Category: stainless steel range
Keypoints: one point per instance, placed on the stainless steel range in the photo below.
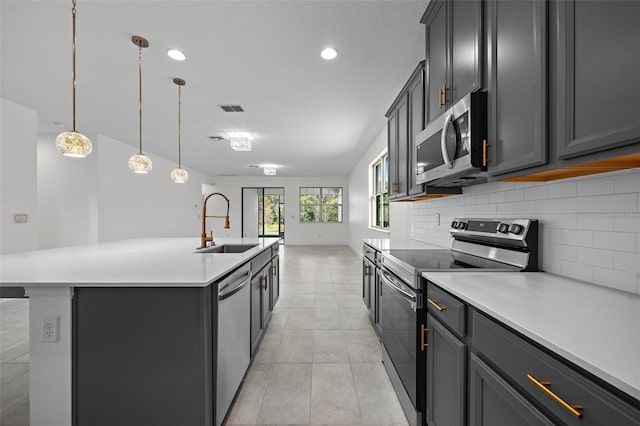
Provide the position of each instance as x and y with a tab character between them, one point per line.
486	244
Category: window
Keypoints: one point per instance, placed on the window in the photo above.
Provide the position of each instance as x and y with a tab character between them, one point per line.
320	205
380	193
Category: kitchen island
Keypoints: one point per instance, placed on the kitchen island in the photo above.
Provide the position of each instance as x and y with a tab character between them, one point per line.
135	329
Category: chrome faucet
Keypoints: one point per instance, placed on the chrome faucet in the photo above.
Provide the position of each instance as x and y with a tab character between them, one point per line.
203	236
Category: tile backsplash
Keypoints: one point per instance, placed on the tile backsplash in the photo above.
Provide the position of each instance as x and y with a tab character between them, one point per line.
589	226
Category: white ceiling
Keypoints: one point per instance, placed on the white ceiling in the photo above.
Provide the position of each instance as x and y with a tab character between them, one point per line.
310	116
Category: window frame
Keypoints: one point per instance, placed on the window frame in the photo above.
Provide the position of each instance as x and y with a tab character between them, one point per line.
321	204
379	193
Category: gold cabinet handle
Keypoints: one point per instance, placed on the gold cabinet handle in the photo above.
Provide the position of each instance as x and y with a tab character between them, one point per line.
438	307
423	330
394	187
265	281
443	96
543	386
485	147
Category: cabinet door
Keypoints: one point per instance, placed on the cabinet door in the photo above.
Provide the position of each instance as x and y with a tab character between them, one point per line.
446	362
466	36
275	281
265	296
366	283
256	311
415	93
436	58
597	81
403	145
493	402
517	69
392	150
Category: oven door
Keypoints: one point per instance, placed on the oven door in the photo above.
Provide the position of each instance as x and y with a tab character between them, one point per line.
400	310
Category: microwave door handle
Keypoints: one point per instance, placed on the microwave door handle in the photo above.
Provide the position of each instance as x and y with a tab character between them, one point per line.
443	141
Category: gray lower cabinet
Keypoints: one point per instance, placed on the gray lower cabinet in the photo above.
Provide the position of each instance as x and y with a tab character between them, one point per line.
596	75
275	281
260	313
144	356
370	283
493	402
446	373
516	44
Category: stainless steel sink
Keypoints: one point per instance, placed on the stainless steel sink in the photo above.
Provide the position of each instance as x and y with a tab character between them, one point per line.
227	248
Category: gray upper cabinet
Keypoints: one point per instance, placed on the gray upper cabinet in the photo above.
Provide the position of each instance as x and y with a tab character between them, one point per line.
517	84
404	121
596	76
453	52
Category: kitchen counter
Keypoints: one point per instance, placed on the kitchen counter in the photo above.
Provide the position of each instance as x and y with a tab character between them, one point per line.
153	262
595	328
399	244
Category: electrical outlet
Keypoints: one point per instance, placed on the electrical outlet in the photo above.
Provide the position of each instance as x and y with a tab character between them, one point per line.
50	327
20	218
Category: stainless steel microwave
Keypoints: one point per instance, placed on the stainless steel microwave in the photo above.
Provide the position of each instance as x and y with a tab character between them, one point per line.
452	149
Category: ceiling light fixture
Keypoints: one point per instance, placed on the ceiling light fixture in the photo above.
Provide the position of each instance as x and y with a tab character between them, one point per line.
240	135
329	53
240	144
179	175
176	55
72	143
140	163
269	171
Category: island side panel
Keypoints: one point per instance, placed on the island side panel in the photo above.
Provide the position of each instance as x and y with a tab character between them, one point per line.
143	356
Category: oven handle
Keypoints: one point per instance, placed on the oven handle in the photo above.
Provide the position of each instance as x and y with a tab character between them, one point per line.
443	141
388	280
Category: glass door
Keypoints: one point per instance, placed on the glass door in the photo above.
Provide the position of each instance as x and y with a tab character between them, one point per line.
263	212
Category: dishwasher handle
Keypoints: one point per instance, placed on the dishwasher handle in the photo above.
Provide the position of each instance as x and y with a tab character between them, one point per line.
231	289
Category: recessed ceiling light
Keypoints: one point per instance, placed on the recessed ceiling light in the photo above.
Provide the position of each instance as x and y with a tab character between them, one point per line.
176	55
329	53
246	135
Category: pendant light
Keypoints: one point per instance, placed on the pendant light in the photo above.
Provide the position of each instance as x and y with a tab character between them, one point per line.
140	163
72	143
179	175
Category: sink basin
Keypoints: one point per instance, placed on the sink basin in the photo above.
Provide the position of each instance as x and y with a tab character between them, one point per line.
227	248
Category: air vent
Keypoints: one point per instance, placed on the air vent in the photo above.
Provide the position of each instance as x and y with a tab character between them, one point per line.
231	108
216	138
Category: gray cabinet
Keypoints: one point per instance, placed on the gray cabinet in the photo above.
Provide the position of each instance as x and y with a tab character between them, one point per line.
597	64
493	402
404	121
446	376
453	53
370	282
260	312
516	44
275	282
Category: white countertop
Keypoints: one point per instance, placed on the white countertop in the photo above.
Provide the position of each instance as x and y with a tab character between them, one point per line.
595	328
400	244
149	262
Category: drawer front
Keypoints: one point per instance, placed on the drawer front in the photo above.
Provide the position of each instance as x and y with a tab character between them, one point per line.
275	249
554	385
446	308
258	262
369	253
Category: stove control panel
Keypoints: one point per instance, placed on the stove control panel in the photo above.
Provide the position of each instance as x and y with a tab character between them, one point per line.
514	232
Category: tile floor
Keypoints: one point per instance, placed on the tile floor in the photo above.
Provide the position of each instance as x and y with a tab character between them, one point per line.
320	360
14	362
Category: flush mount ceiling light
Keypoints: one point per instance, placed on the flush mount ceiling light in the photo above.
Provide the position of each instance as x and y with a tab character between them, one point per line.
240	144
72	143
176	55
140	163
329	53
269	169
246	135
179	175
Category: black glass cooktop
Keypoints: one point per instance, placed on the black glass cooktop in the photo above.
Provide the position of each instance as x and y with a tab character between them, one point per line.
427	260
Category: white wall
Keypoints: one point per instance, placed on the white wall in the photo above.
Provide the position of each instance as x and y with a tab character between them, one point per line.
589	226
295	232
359	209
18	177
152	205
67	196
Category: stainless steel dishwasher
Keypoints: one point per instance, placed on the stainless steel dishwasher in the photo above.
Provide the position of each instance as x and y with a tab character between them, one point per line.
234	337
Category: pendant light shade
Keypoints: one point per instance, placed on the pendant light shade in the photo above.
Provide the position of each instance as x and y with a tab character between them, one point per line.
140	163
179	175
73	143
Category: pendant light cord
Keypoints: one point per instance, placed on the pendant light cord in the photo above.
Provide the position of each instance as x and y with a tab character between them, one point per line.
179	124
140	92
73	50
